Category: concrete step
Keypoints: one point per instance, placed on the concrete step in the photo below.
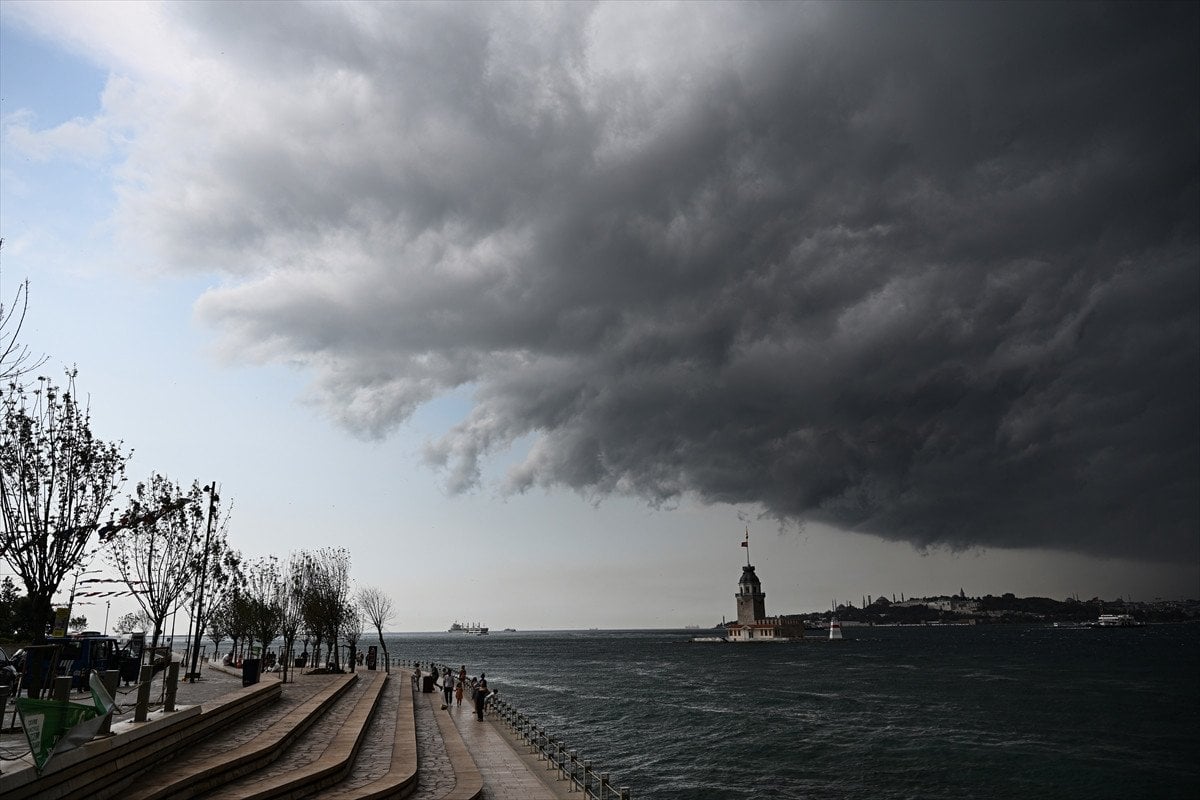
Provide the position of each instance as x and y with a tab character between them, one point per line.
230	755
324	755
449	774
386	766
106	767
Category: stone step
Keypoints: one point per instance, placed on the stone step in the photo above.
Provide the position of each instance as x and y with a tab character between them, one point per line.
320	737
386	766
107	766
323	756
230	755
423	735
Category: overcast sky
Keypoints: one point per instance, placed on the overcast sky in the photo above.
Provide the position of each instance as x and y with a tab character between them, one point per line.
536	308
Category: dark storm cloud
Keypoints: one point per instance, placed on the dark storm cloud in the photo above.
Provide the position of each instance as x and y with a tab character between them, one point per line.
928	272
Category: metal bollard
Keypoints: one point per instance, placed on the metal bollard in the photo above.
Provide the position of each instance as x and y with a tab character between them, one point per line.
62	689
141	711
111	679
172	683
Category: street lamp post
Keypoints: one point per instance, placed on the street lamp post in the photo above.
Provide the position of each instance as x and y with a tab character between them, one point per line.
212	501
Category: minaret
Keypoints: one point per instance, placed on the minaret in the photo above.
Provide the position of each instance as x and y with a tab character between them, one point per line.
751	602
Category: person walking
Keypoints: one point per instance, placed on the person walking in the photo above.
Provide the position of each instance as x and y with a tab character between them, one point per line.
447	686
481	694
458	687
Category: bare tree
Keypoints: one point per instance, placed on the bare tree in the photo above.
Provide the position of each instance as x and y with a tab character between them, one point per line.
56	480
156	558
377	608
16	359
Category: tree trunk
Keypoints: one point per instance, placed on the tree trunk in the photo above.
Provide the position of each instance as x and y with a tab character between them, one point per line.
41	614
387	662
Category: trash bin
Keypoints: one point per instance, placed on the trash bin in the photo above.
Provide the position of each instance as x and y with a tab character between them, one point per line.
426	683
250	671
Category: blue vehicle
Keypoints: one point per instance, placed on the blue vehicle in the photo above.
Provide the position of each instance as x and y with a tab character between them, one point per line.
80	654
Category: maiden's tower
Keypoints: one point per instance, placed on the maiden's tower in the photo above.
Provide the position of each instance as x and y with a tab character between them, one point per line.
753	624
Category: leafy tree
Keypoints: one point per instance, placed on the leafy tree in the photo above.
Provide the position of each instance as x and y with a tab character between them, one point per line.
327	595
238	618
263	590
216	629
224	573
56	480
156	558
77	624
14	609
215	568
292	598
352	630
377	609
133	621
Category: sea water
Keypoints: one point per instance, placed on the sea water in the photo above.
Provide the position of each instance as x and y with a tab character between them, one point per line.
986	711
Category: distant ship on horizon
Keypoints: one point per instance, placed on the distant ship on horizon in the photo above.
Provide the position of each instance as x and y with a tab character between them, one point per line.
474	628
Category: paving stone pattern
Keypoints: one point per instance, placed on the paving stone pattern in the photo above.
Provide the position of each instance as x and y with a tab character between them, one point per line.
436	775
244	731
507	773
309	747
375	755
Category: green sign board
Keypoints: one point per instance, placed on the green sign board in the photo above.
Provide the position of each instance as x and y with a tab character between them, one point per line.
53	726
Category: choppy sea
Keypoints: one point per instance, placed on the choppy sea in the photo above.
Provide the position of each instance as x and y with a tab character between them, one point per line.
936	713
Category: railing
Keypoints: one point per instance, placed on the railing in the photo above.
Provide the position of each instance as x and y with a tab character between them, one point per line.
579	774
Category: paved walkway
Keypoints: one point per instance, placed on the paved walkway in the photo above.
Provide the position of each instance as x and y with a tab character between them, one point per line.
508	772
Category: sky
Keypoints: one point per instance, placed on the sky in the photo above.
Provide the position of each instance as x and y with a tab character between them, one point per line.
538	309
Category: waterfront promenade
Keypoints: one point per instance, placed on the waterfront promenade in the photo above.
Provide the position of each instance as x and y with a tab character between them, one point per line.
371	737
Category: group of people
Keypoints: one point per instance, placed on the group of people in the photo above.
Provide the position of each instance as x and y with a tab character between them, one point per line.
454	687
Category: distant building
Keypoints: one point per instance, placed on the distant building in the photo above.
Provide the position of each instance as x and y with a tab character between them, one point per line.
753	624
